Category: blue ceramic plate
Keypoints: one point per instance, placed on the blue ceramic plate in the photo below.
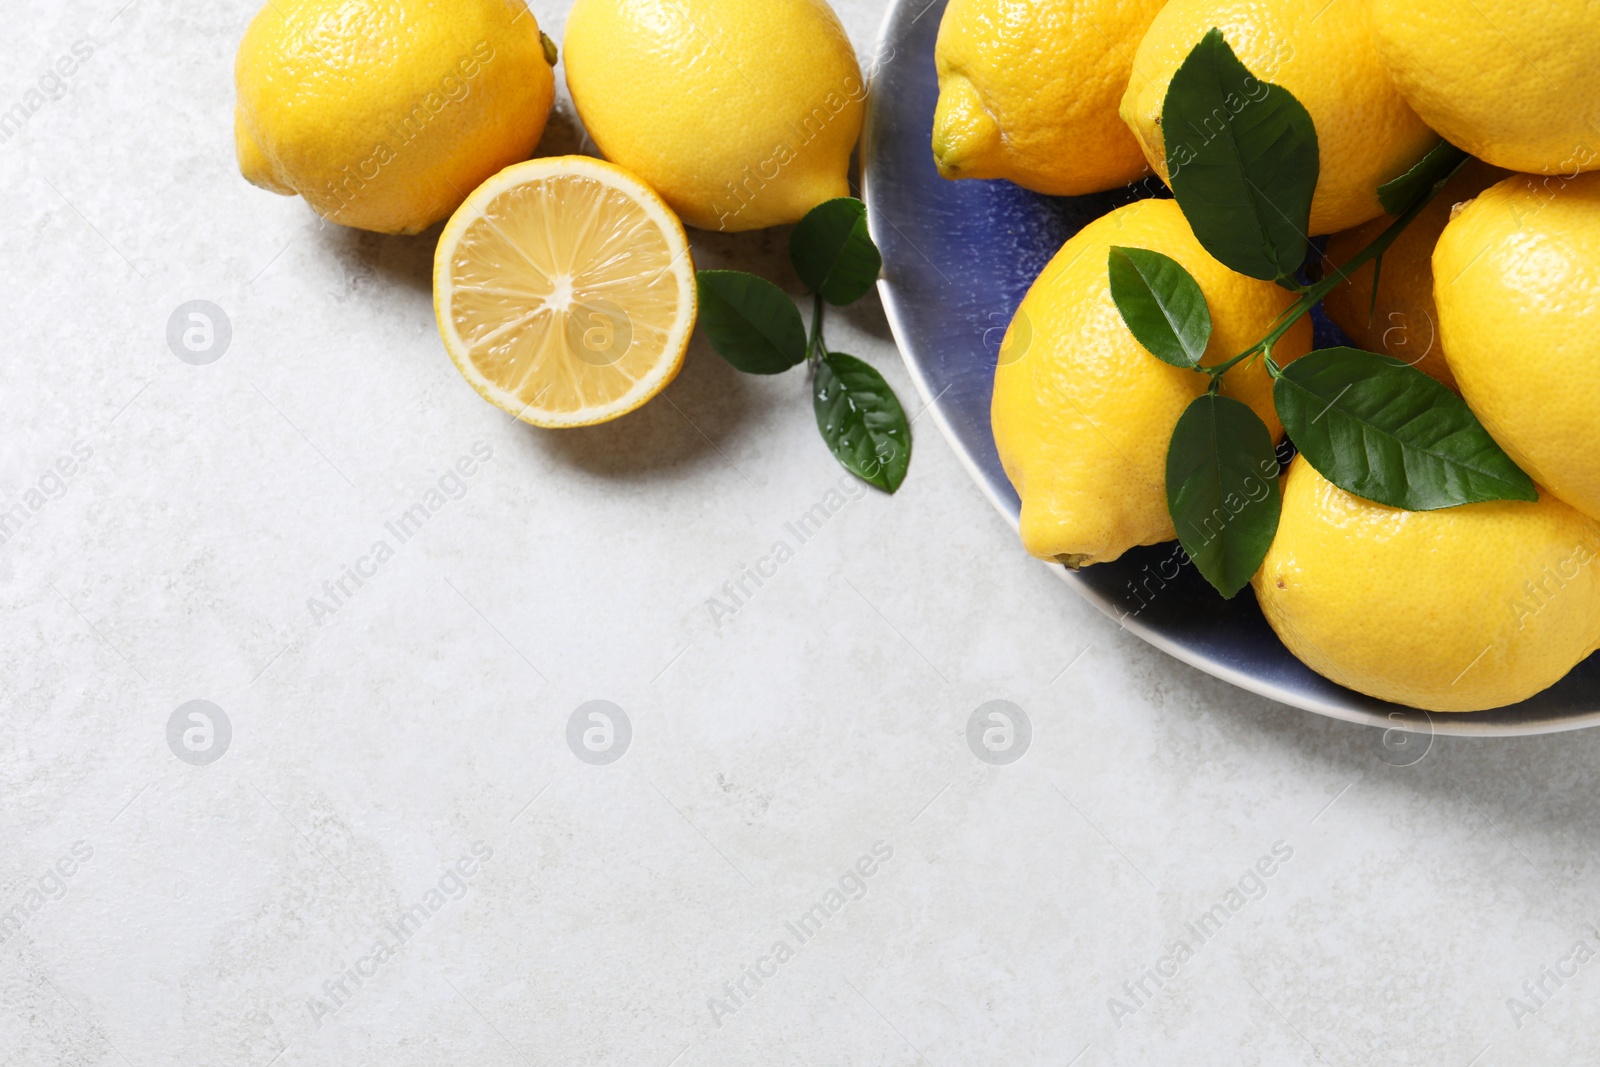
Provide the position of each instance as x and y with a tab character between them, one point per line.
958	257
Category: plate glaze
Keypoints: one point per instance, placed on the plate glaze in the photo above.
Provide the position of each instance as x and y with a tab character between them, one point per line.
958	258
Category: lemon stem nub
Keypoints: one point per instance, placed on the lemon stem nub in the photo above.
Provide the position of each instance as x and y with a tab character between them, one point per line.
966	139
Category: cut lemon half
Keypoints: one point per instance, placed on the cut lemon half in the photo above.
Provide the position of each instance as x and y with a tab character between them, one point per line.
564	291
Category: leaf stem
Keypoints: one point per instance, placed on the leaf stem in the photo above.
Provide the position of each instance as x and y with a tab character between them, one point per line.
1314	293
815	348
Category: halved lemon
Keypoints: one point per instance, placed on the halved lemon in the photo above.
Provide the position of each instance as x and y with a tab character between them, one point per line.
564	291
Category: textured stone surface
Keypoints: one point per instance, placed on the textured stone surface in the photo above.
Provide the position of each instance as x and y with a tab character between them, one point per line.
372	753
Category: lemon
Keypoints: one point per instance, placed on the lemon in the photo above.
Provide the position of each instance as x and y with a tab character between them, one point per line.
564	291
1403	322
741	113
1321	51
385	114
1082	414
253	163
1462	609
1510	81
1517	280
1028	91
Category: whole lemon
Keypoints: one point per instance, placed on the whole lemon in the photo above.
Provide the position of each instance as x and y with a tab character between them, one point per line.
1028	90
741	113
1082	413
1517	280
385	114
1321	52
1403	321
1462	609
1510	81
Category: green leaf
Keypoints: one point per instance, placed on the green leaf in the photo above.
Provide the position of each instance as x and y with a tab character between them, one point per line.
1242	160
1162	305
1435	168
1222	490
1383	430
833	253
750	322
862	420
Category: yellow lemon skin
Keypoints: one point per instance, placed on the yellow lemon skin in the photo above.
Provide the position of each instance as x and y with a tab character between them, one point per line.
1028	91
1082	413
253	163
1512	82
1462	609
741	113
385	114
1321	52
1403	322
1517	281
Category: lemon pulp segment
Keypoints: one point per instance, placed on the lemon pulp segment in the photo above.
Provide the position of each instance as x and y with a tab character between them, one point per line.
565	291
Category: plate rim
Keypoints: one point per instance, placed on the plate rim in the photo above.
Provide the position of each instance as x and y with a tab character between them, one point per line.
1412	720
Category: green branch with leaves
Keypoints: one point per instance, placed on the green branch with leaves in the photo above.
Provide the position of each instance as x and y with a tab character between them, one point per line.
753	324
1373	426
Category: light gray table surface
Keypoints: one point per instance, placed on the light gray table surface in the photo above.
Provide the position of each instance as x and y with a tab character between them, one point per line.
399	773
